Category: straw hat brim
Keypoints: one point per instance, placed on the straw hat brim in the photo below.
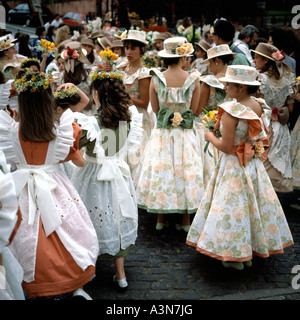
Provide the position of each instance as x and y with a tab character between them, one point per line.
11	45
218	55
249	83
135	39
262	54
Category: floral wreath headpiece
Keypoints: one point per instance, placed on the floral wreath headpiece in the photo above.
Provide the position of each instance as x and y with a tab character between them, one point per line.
24	62
65	92
32	81
106	75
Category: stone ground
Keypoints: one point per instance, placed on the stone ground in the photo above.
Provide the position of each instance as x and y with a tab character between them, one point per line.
162	267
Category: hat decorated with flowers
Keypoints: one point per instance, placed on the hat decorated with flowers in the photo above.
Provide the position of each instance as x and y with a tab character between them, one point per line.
6	42
217	51
73	54
268	51
27	80
176	47
27	62
135	35
241	74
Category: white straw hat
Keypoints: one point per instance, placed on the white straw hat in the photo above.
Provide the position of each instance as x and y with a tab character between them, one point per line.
217	51
7	42
135	35
176	47
241	74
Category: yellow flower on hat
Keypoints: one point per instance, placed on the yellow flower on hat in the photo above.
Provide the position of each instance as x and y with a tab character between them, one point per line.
181	50
124	35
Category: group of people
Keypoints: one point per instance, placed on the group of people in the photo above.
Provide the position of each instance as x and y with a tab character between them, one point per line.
94	135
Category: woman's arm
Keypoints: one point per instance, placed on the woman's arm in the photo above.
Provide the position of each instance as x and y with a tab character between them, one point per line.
143	100
84	99
225	144
204	95
195	98
153	97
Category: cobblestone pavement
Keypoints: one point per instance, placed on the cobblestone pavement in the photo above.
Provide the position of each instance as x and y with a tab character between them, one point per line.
162	267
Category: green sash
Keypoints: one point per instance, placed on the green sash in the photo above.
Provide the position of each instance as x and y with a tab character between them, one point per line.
165	115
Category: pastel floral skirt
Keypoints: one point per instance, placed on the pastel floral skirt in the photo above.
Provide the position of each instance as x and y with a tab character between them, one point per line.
240	214
171	175
295	154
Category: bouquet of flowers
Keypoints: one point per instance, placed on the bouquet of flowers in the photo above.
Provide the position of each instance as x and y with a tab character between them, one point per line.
45	46
109	56
95	25
209	121
149	61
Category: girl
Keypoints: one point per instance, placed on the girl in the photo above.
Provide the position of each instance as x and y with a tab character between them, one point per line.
137	82
104	183
74	70
171	176
56	243
278	89
89	47
201	49
69	96
240	214
211	95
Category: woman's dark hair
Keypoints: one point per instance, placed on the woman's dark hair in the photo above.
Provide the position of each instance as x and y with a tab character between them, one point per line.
250	89
134	44
67	102
50	33
226	59
170	61
36	113
91	56
30	63
114	101
271	69
2	77
23	45
79	75
39	31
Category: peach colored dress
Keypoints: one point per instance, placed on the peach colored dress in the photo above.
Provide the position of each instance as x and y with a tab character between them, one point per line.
56	248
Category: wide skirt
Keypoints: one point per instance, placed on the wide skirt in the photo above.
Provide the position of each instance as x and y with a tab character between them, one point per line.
240	214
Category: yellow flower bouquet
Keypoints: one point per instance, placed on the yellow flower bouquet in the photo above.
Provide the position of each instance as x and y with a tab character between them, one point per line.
108	56
46	46
209	121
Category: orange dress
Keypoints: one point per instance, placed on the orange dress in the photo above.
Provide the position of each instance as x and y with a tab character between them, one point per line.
63	260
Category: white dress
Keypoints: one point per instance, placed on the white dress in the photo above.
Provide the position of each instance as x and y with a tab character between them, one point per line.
106	187
45	192
11	273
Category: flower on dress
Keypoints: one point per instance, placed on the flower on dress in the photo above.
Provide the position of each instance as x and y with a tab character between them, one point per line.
275	114
176	120
259	149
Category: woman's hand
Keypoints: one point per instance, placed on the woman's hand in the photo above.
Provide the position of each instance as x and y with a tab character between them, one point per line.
209	135
66	85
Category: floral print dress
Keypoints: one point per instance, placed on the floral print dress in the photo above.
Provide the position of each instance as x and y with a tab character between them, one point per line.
132	87
171	175
295	154
240	214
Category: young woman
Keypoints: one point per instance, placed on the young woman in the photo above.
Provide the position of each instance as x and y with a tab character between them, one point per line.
137	82
278	88
105	183
171	175
240	215
56	243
